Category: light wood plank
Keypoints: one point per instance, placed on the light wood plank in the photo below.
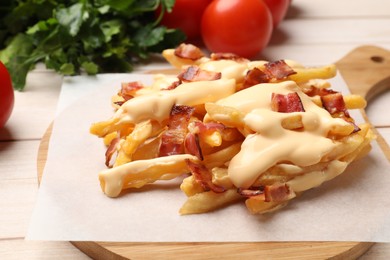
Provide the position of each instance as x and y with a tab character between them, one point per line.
385	133
34	107
379	251
313	55
377	106
18	159
302	9
37	250
332	31
16	205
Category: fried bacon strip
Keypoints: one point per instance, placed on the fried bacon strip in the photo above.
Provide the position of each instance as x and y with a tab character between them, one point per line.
278	192
192	145
273	70
172	140
335	105
111	149
227	56
203	176
313	91
286	103
188	51
174	85
128	89
278	69
198	129
255	76
194	73
206	128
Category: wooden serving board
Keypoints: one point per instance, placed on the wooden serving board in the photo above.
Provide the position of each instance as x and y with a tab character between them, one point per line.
367	72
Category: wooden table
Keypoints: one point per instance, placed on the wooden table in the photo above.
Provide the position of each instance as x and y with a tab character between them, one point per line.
314	33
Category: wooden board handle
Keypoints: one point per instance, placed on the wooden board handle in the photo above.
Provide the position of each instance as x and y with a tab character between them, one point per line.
366	70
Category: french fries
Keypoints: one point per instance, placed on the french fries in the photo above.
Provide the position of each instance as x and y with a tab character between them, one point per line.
262	137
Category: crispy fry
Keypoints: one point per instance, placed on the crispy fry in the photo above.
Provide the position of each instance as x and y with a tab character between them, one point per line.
355	102
136	175
228	116
109	137
190	187
220	157
257	206
208	201
305	74
103	128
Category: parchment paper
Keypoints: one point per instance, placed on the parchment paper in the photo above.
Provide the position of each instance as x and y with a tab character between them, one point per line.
71	206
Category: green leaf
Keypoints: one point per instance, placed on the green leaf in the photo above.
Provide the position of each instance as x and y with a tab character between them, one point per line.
119	5
67	69
145	5
148	36
111	28
104	9
20	45
42	26
56	59
18	68
71	18
168	5
90	67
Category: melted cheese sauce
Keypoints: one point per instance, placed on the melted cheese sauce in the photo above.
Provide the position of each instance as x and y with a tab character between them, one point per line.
157	105
271	143
229	69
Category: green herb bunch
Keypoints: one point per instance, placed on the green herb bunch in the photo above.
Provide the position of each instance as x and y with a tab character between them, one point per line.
95	36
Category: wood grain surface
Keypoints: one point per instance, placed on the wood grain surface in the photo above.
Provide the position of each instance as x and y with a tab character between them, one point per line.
367	72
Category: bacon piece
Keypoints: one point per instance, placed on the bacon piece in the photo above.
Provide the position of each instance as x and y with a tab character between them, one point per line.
286	103
335	105
227	56
313	91
192	145
203	176
206	128
278	192
273	70
173	85
278	69
194	73
128	89
251	192
172	140
198	129
119	103
255	76
111	149
188	51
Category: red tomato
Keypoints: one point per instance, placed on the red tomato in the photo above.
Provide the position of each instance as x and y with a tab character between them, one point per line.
6	95
186	16
237	26
278	10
